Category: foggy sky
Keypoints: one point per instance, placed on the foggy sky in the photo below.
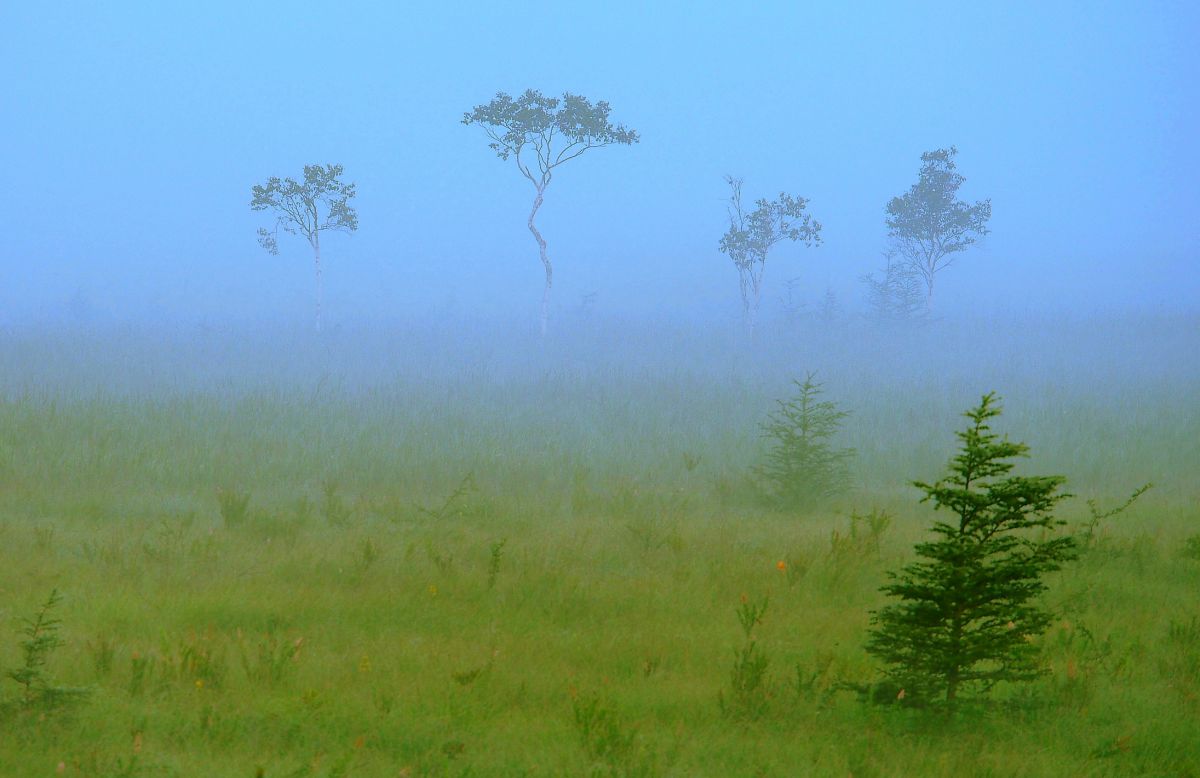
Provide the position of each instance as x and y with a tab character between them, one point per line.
133	133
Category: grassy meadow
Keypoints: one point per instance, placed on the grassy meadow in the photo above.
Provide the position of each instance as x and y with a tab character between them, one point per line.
434	550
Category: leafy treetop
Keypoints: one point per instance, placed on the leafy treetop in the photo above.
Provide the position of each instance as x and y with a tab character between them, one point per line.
321	202
556	130
928	222
752	235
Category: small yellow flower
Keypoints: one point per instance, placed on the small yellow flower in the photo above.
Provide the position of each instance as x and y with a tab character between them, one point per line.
199	683
364	664
781	566
433	590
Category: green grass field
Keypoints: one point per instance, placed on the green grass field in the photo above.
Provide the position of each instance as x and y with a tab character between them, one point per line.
464	557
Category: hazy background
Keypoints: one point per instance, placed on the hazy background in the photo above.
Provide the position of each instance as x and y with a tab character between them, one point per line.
133	132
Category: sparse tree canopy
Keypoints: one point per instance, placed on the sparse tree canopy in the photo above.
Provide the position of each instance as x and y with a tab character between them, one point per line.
751	236
540	134
929	225
318	204
321	202
968	614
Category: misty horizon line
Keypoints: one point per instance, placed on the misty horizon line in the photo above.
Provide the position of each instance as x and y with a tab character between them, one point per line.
449	315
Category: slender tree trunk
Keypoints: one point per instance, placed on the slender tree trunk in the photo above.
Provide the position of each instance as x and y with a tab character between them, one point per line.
316	244
752	319
744	287
929	272
756	277
537	203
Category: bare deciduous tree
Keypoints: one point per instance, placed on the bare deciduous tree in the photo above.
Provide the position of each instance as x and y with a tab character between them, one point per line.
552	132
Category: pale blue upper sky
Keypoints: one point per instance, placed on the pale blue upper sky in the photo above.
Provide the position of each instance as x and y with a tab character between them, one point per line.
133	131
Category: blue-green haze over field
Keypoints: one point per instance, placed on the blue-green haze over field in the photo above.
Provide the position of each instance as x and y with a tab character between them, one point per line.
425	513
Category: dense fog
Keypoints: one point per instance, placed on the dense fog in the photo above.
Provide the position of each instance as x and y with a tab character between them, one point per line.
398	389
135	132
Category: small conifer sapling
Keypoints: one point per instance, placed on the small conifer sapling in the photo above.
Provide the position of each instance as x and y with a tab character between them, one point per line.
41	638
802	466
968	611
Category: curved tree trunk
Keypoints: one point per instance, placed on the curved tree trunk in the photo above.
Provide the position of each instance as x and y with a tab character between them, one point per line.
537	203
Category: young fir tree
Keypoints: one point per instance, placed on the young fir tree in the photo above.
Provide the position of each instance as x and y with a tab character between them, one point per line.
896	296
803	467
968	611
41	640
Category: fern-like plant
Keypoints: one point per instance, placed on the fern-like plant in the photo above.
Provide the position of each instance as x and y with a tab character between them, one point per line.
41	639
749	681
